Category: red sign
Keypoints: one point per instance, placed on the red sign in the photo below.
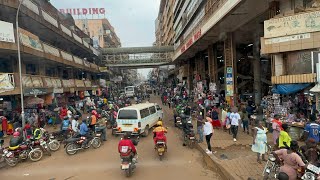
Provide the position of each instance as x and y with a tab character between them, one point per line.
83	11
193	39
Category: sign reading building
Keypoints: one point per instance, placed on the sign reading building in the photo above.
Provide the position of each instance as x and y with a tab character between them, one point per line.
296	24
83	11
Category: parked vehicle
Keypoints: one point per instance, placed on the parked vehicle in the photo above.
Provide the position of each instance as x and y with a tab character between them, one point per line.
73	145
13	155
311	172
272	167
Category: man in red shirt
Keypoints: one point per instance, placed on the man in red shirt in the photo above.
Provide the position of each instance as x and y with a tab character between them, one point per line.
126	146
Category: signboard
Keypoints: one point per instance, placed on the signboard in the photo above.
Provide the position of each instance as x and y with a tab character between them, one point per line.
58	90
30	40
83	11
296	24
287	38
229	82
6	32
193	39
34	92
6	84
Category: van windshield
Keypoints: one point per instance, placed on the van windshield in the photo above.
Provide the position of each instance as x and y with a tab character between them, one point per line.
129	89
128	114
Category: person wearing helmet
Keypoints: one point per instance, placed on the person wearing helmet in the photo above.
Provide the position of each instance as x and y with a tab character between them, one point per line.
126	145
159	132
65	125
16	140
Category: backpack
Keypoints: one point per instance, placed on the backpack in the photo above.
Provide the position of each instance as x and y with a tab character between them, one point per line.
65	125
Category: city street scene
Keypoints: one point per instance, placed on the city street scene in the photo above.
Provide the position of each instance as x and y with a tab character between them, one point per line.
159	89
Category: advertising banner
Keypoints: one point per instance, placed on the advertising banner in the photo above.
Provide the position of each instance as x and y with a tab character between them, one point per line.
296	24
6	83
34	91
30	40
6	32
229	82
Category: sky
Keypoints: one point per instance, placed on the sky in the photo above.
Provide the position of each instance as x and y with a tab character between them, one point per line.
133	20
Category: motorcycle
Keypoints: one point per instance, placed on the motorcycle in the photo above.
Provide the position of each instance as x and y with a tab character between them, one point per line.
53	143
161	148
178	122
73	145
272	167
128	162
311	172
13	155
42	144
190	135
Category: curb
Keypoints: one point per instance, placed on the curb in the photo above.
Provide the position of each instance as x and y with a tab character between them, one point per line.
214	164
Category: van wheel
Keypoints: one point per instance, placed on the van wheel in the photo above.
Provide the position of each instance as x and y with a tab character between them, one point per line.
146	131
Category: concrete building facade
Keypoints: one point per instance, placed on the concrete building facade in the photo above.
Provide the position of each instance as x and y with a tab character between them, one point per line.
57	57
101	31
164	23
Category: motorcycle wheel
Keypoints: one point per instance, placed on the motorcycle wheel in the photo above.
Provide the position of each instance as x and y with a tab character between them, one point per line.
54	145
35	155
11	161
71	149
161	157
48	151
128	172
191	144
96	143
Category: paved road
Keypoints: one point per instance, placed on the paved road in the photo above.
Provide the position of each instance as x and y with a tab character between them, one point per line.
180	162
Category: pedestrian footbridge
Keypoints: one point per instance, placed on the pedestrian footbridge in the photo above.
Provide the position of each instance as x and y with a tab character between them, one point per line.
137	57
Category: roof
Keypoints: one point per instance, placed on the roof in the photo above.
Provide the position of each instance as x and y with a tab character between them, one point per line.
139	106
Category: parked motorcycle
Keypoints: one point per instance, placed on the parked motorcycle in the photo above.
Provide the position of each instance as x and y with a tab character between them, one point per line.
13	155
73	145
311	172
53	143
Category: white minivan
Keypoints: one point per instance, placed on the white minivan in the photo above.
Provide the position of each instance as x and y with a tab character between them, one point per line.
129	91
138	119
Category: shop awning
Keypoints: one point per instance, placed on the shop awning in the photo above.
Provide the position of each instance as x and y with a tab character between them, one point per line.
286	89
316	88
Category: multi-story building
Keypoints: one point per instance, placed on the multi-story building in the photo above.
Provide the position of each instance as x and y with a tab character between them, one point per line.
219	41
164	23
101	31
292	39
56	56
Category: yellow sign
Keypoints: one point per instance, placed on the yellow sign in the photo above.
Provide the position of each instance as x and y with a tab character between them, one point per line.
296	24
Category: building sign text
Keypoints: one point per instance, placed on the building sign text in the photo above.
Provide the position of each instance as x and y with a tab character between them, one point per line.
83	11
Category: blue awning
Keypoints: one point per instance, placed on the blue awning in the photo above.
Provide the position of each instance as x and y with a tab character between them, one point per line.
286	89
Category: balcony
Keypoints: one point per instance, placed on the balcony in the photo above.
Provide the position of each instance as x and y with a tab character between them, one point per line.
11	83
39	17
31	44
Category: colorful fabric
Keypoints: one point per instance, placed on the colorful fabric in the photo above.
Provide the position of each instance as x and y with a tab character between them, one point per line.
260	141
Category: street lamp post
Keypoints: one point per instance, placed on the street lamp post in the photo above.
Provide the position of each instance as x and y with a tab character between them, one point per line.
19	61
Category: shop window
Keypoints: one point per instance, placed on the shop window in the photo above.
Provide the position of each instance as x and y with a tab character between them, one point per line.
31	69
65	74
5	66
50	71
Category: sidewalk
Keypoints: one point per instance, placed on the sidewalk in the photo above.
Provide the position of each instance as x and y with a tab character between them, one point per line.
235	159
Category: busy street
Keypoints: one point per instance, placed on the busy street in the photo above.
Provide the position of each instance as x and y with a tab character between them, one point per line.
160	89
104	162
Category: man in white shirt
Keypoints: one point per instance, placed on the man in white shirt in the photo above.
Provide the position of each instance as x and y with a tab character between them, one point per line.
235	118
75	124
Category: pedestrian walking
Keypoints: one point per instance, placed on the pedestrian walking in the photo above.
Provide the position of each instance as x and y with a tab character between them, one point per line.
245	120
208	131
235	118
259	145
200	123
277	127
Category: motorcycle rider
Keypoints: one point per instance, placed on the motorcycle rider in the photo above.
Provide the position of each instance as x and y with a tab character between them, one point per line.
16	140
187	128
291	160
65	125
75	124
101	127
159	133
84	132
126	146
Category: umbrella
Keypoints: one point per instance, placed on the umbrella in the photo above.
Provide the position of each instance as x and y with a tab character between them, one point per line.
34	101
